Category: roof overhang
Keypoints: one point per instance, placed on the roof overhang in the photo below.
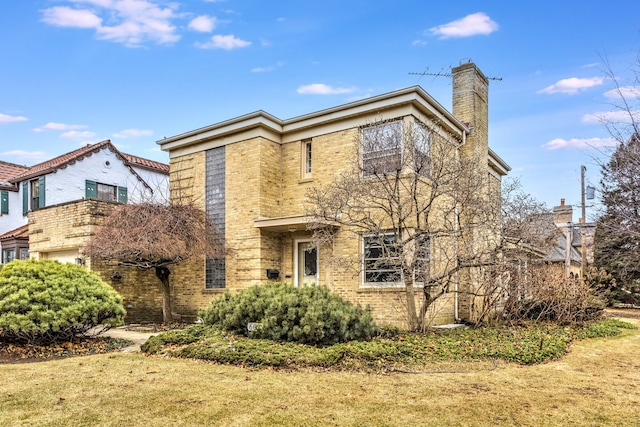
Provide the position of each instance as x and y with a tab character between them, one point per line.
284	224
412	100
498	165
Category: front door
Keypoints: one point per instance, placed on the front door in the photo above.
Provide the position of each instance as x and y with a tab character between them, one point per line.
306	263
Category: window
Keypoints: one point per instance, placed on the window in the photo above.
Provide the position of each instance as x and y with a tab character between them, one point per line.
4	202
380	261
35	194
8	255
421	149
106	192
306	157
382	148
24	253
215	276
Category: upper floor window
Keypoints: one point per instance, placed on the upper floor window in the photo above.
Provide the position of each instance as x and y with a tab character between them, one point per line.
4	202
33	193
106	192
36	188
382	148
307	158
421	137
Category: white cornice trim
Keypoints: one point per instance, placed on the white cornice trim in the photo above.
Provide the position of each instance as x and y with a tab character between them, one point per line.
280	130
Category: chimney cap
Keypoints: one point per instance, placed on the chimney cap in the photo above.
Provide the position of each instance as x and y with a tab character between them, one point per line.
561	202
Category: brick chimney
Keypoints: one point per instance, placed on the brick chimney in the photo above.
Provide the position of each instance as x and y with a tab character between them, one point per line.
562	214
471	106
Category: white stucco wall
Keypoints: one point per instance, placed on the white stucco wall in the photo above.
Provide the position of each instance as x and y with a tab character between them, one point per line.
158	182
68	184
14	219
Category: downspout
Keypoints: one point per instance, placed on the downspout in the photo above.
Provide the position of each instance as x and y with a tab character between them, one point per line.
456	281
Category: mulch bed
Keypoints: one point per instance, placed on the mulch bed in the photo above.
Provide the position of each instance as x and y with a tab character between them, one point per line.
25	353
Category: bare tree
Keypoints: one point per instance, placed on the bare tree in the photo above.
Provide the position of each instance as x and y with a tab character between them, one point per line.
424	212
153	236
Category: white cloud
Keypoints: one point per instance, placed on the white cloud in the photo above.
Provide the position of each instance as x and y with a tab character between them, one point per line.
132	133
229	42
267	69
418	42
63	16
203	24
620	116
130	22
22	153
5	118
573	85
58	127
74	134
579	143
322	89
470	25
627	92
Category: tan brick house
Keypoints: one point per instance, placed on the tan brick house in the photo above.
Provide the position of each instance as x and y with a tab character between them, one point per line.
251	175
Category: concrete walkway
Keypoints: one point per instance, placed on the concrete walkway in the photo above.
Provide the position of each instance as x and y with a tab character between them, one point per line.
137	337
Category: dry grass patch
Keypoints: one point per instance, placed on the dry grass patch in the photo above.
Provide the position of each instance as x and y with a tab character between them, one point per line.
597	384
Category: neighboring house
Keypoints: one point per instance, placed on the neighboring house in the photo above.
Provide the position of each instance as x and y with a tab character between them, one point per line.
10	216
568	251
251	174
50	197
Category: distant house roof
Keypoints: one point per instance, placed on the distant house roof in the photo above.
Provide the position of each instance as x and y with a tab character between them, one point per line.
8	171
73	156
20	232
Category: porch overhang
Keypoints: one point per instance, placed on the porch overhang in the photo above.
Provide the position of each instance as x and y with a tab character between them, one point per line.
284	224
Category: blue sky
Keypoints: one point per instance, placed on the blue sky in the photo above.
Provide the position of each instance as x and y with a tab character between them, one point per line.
74	72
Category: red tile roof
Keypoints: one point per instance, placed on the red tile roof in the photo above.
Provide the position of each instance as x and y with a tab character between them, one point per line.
60	161
146	163
20	232
79	154
9	171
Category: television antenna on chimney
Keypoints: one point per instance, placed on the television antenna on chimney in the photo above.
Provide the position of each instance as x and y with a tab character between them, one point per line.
441	74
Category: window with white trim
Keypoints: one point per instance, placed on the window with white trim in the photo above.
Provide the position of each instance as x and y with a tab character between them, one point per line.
306	157
382	148
381	263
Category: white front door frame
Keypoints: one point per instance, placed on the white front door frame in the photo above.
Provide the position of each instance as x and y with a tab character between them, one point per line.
297	244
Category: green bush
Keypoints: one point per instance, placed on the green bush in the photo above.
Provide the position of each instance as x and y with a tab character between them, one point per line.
282	312
46	301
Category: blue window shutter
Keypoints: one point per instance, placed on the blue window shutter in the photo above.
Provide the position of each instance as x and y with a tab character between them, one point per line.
41	201
25	198
4	202
91	189
122	194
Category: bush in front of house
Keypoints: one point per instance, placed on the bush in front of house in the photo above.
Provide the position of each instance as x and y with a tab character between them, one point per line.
47	301
282	312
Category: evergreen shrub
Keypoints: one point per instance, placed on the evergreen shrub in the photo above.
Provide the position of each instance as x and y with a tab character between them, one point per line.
282	312
47	301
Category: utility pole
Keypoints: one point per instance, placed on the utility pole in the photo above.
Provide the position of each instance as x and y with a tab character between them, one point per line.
583	223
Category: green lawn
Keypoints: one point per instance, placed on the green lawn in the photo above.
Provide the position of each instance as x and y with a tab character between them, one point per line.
596	384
